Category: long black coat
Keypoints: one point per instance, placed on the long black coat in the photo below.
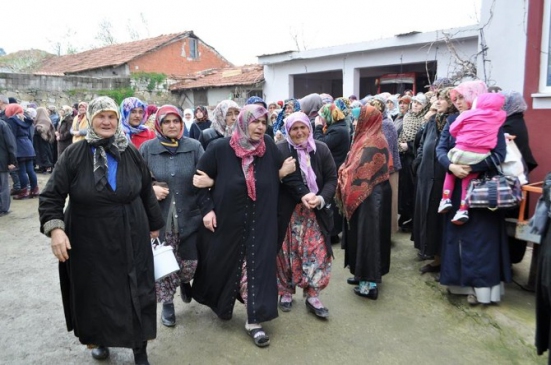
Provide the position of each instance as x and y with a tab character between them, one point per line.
428	223
291	193
474	254
515	125
65	136
108	284
247	230
337	138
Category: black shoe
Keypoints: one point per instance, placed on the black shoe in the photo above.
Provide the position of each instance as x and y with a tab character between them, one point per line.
140	355
168	317
335	239
285	306
372	294
100	353
423	257
429	268
319	312
185	292
353	281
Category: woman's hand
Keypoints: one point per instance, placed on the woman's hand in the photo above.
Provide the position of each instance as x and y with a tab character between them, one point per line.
319	121
278	136
154	234
289	166
160	192
311	200
404	146
60	244
209	221
202	180
460	171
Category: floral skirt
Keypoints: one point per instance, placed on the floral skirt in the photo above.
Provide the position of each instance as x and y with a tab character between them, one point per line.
303	260
166	287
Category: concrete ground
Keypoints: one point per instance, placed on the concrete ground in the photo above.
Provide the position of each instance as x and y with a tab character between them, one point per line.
414	321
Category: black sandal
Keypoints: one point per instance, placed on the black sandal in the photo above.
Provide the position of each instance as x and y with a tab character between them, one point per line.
259	336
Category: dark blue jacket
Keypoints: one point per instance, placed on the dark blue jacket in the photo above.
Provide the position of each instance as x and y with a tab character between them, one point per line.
7	147
23	132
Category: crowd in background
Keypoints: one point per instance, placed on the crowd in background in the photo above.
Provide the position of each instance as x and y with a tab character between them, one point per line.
311	172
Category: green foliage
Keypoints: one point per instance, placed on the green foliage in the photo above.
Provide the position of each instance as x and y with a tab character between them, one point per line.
152	79
117	94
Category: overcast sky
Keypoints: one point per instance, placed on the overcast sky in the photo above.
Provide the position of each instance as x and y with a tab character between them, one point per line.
239	30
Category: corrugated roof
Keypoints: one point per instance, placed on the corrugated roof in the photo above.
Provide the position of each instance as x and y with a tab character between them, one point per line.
231	76
110	56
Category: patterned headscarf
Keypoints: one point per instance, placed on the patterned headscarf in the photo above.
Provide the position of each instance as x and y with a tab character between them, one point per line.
413	121
203	110
244	147
469	90
256	100
514	102
170	144
344	105
311	104
395	109
326	98
278	125
219	122
126	107
151	109
441	118
331	113
304	149
380	103
114	145
367	163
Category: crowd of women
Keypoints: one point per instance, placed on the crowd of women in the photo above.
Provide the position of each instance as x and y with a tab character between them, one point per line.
252	201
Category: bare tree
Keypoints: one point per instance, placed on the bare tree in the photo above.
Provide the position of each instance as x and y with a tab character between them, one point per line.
64	44
105	34
297	39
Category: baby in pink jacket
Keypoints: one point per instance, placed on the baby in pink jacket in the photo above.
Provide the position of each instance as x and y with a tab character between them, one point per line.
475	133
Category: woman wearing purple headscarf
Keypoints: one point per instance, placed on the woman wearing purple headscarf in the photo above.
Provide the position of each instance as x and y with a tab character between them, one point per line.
132	121
305	217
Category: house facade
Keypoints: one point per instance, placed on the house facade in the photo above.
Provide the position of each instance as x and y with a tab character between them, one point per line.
411	60
175	55
210	87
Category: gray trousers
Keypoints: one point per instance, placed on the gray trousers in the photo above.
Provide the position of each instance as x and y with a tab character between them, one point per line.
5	200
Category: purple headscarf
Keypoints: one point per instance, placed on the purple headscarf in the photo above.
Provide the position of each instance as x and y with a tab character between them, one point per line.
304	149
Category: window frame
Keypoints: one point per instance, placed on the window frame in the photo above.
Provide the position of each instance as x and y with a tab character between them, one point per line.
545	59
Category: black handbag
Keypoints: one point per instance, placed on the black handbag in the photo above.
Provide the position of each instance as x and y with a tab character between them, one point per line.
494	192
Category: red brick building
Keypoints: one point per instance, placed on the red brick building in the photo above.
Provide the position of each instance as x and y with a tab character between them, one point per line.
175	55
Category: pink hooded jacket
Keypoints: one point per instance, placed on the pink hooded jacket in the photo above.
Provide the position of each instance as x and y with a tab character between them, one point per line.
476	130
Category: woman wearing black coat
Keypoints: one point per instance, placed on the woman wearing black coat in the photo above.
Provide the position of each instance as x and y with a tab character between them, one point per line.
428	225
514	125
331	128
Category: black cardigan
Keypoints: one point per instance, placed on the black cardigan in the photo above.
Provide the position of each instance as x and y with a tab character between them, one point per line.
293	189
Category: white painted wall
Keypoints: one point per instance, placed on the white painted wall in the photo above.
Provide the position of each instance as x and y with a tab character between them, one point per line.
505	36
279	69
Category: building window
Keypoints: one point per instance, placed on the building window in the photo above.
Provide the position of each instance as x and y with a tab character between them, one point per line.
193	48
545	65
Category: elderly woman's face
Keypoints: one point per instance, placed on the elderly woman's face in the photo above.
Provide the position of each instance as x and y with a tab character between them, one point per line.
272	107
461	104
231	116
171	126
299	133
416	107
81	109
257	128
289	108
136	116
105	124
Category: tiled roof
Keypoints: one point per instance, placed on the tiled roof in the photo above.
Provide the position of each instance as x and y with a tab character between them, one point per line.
232	76
110	56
